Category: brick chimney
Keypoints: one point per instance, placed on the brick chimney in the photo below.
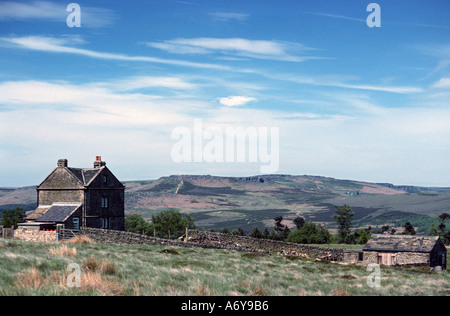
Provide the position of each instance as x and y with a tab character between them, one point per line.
98	163
62	163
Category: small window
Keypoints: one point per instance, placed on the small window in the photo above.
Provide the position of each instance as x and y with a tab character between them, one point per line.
76	223
105	179
105	202
360	256
104	223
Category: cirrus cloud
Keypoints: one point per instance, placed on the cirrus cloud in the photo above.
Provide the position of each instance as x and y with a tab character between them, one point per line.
258	49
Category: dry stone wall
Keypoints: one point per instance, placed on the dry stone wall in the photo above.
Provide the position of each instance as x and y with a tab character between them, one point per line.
34	234
218	241
249	244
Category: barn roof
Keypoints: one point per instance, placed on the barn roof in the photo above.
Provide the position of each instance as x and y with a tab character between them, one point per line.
59	212
401	243
37	213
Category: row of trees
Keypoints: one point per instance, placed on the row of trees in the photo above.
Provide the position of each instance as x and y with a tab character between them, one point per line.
12	217
441	229
311	233
166	224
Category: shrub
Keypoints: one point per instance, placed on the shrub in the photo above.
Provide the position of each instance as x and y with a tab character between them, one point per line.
310	233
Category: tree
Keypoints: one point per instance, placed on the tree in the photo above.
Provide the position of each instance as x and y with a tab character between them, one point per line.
310	233
280	231
225	230
362	236
171	224
238	232
409	229
266	233
278	226
443	217
255	233
137	224
299	222
440	230
343	218
10	218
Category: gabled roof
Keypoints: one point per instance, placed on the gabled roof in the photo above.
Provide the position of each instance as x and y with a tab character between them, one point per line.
401	243
59	212
85	175
67	177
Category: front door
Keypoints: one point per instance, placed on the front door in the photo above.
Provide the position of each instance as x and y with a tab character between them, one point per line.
387	259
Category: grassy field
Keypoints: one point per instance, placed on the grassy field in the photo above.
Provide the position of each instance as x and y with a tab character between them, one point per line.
40	269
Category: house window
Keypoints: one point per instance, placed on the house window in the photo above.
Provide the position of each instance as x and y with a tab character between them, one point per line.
360	256
105	202
105	179
76	223
104	223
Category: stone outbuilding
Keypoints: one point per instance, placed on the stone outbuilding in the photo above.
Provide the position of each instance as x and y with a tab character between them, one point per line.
394	250
80	197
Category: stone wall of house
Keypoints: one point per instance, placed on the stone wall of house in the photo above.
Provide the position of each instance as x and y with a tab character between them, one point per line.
351	257
34	234
370	257
218	241
401	258
48	197
413	258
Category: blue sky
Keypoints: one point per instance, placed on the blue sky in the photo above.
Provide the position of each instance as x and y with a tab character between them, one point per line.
350	101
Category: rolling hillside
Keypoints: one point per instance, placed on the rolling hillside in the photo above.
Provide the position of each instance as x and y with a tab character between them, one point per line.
217	202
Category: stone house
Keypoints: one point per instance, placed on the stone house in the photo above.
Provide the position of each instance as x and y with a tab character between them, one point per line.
80	197
394	250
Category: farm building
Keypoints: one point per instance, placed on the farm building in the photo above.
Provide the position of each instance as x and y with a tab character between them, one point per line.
75	197
404	250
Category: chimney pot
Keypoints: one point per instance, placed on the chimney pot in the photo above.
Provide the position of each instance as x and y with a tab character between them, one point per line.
62	163
98	163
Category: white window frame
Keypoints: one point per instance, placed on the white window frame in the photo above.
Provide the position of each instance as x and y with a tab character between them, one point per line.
105	202
76	223
104	222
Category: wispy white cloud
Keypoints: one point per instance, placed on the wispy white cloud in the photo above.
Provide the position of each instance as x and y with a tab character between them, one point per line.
229	16
54	11
143	82
60	45
349	18
337	16
236	100
342	81
259	49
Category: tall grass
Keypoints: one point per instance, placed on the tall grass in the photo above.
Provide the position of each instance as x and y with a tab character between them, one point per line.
40	269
